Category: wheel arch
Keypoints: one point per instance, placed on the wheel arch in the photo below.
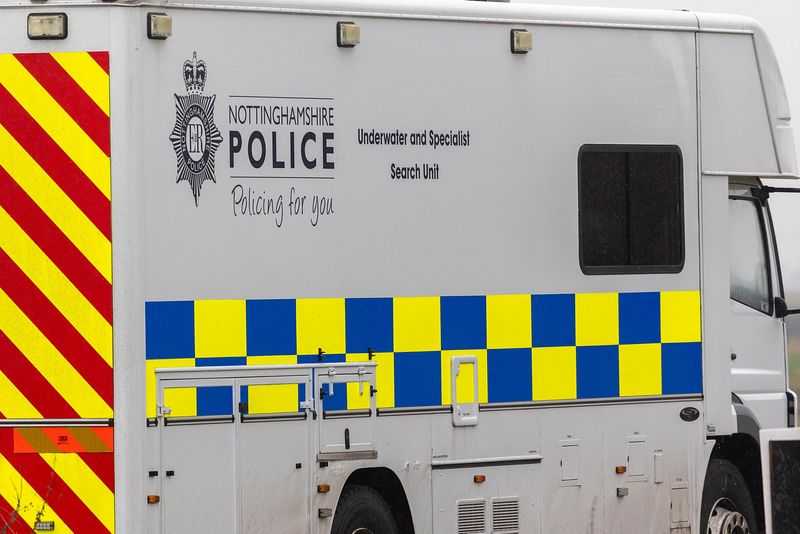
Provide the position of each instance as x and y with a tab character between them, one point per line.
388	485
742	450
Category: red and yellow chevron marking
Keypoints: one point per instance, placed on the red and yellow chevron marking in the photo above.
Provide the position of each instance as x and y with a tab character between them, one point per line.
56	359
75	490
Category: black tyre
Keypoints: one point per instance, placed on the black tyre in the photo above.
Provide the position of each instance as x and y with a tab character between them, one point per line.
362	510
727	507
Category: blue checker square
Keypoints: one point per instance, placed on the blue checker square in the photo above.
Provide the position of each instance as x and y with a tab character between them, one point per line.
681	368
510	375
597	371
369	325
639	318
169	329
553	320
218	362
339	399
216	400
417	379
326	358
271	326
463	322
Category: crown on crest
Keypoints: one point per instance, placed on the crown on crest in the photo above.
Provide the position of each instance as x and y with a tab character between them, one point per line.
194	74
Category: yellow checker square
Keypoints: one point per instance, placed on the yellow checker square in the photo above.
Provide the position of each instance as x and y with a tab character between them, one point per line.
384	382
596	319
182	403
320	325
640	370
554	373
417	324
465	385
220	328
272	398
680	316
508	321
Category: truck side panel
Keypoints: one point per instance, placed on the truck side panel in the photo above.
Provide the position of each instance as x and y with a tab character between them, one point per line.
480	258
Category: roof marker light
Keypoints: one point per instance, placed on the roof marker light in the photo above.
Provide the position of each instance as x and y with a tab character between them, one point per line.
348	34
521	41
47	26
159	26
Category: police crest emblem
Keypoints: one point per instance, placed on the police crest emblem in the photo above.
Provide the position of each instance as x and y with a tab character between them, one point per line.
195	137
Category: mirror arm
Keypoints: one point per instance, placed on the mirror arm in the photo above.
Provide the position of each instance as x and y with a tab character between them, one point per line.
762	193
769	189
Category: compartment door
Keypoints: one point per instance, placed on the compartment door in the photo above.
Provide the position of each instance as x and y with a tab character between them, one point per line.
347	401
274	454
198	457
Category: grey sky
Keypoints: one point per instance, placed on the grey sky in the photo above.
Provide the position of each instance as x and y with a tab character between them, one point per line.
779	18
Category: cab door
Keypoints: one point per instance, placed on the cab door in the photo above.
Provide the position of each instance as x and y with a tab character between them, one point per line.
757	337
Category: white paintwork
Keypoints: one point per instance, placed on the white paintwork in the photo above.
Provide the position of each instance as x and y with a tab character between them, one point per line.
769	407
735	125
716	305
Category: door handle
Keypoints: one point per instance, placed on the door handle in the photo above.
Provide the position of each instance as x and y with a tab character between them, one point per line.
331	374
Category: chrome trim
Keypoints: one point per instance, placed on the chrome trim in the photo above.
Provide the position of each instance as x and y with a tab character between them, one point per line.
5	423
345	456
264	417
486	462
414	410
347	414
199	420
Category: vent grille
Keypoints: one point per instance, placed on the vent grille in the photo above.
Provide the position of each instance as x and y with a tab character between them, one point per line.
471	517
505	515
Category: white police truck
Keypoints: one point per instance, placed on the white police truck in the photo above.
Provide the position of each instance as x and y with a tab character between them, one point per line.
358	267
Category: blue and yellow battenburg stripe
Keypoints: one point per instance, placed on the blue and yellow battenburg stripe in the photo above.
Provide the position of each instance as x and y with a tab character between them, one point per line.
529	347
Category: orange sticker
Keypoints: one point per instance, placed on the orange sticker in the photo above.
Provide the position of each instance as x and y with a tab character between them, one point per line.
62	439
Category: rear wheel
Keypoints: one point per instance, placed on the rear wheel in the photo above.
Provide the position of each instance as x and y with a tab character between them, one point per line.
727	507
362	510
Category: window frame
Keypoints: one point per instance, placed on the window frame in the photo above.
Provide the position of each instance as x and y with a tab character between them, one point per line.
773	245
633	269
765	243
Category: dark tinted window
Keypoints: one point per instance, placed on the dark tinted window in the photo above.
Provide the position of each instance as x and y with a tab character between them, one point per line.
630	212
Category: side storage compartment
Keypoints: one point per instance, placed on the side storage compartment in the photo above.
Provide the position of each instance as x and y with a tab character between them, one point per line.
245	465
468	497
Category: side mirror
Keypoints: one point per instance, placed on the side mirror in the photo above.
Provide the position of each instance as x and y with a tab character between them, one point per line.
782	309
